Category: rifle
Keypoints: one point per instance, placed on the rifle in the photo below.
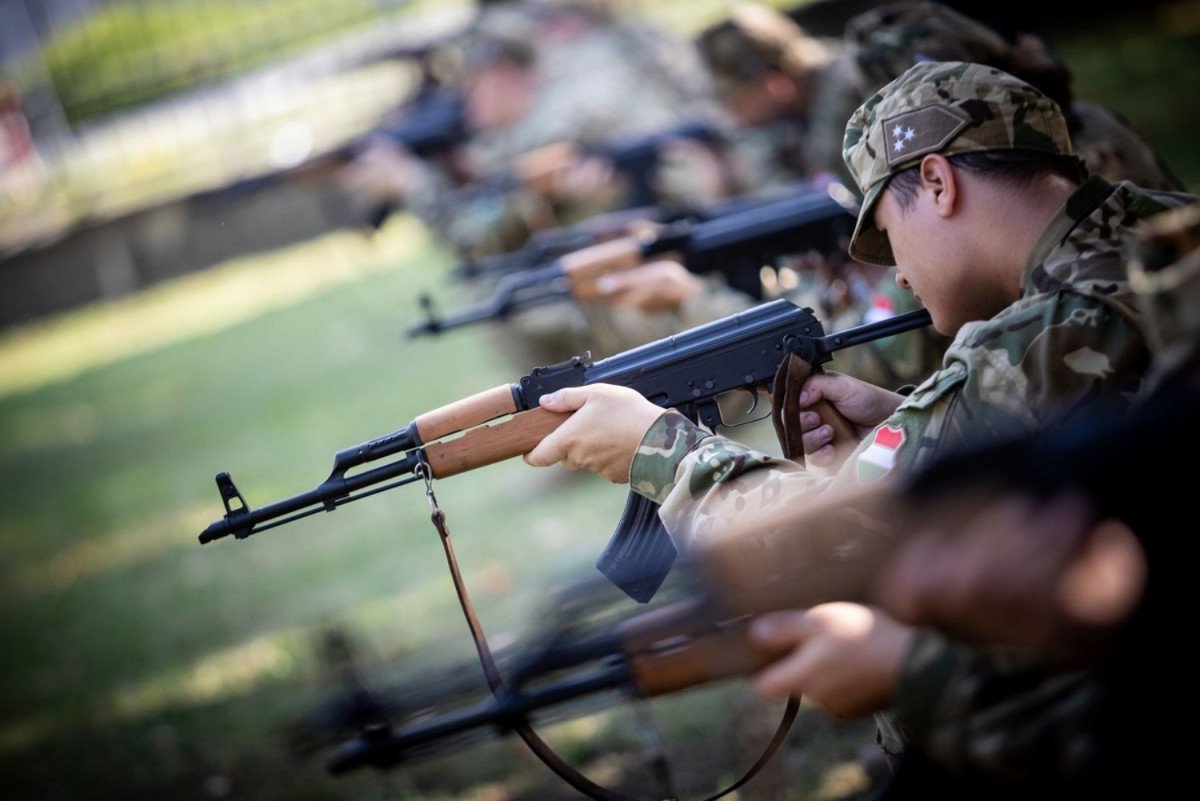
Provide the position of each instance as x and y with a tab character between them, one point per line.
736	244
688	372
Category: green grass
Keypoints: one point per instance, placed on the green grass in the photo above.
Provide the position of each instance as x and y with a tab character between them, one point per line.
141	664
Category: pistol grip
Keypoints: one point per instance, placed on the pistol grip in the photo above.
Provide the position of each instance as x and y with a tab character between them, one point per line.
640	553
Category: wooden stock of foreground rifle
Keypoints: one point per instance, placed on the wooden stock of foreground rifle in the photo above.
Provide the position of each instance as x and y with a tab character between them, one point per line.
688	372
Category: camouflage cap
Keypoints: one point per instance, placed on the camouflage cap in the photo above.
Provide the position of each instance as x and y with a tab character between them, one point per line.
941	107
500	32
888	40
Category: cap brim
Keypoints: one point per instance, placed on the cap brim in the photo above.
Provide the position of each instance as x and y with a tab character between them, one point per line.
868	244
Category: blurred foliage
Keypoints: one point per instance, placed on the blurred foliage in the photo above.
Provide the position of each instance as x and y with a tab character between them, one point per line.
126	54
1147	68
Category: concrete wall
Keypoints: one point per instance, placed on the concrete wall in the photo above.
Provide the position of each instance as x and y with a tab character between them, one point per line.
116	257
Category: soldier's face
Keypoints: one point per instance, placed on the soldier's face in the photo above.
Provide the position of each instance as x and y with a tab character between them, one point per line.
498	95
928	261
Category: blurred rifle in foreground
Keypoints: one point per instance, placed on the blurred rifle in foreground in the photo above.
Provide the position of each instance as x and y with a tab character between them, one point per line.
736	244
689	372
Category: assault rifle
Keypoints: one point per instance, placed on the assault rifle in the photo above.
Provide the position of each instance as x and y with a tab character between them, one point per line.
736	244
690	372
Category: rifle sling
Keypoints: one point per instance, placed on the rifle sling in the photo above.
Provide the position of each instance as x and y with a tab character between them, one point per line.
535	743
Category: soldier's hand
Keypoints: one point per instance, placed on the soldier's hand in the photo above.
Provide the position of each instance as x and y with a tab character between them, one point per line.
1019	572
863	404
657	286
603	434
845	657
383	170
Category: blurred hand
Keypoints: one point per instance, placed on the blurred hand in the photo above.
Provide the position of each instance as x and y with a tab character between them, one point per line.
863	404
383	171
657	286
691	172
562	172
1018	572
603	434
845	657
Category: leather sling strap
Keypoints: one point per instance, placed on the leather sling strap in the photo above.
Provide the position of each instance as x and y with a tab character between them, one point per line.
535	743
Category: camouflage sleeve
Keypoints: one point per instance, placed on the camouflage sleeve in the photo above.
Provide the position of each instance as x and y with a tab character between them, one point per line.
995	713
701	479
1041	362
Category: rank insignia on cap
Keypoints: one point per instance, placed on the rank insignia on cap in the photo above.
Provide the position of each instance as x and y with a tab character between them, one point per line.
926	130
878	458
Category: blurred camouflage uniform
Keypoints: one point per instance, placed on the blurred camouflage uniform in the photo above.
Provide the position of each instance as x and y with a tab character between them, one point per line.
1164	271
601	79
1073	338
756	41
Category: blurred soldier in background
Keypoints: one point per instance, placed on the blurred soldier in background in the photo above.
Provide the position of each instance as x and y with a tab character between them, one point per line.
791	94
546	85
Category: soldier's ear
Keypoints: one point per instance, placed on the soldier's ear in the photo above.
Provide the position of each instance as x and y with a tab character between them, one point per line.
939	181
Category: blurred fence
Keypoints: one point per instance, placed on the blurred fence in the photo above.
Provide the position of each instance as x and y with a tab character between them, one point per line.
146	139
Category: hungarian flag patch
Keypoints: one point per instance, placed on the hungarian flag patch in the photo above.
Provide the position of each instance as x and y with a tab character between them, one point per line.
878	458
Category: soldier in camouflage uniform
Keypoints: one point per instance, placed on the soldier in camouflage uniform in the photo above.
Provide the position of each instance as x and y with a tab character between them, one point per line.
887	40
540	74
1044	324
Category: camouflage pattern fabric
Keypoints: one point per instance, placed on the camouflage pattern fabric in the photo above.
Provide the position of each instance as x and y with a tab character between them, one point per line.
891	38
1073	338
1112	149
1164	271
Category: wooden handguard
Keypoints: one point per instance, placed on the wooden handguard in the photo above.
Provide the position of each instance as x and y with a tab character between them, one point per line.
583	267
488	444
466	413
691	660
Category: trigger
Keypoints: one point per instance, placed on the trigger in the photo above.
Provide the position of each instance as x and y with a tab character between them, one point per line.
753	401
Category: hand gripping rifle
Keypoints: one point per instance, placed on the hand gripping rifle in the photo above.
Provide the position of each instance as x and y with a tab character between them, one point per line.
688	372
736	245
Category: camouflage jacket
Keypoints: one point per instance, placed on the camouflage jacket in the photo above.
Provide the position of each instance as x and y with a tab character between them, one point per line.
1074	336
1112	149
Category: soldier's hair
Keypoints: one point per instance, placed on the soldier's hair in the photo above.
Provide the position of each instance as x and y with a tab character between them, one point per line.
1013	167
757	39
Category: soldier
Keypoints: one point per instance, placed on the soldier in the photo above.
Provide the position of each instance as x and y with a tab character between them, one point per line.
1078	572
971	188
542	82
